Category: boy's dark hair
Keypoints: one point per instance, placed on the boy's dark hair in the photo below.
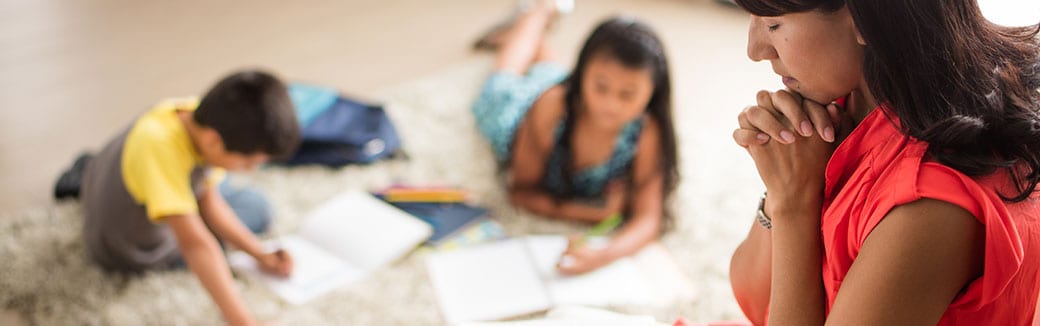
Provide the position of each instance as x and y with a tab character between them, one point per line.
252	112
635	45
966	86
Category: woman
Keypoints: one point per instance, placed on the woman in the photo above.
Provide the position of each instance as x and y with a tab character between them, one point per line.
902	162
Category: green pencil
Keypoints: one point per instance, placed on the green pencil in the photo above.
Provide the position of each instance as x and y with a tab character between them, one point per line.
604	226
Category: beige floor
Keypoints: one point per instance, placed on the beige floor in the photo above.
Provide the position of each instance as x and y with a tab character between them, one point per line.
73	73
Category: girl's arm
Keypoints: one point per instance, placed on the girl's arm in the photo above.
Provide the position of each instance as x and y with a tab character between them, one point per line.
647	213
543	203
911	266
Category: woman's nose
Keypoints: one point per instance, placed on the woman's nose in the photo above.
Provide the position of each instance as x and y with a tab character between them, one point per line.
758	46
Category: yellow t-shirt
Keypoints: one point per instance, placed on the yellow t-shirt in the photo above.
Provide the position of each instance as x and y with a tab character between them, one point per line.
158	159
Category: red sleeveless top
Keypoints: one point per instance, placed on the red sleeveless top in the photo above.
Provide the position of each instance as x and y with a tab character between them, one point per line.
878	168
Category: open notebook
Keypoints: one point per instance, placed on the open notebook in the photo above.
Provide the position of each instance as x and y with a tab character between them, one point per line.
518	276
341	241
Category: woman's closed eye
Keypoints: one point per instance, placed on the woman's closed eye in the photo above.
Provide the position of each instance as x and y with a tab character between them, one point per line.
773	27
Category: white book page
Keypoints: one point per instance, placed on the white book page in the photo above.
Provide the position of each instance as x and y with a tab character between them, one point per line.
619	283
486	282
363	230
664	275
315	271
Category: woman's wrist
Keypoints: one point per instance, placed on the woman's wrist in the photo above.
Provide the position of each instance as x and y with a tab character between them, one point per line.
784	208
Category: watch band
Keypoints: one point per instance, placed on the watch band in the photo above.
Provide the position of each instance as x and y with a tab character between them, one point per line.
763	219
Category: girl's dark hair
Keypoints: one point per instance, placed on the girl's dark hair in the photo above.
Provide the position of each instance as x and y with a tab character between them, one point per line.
635	45
968	87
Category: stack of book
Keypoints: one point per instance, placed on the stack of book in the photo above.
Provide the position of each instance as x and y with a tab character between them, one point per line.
455	223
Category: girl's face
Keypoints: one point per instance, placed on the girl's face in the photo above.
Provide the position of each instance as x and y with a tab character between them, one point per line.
614	94
819	55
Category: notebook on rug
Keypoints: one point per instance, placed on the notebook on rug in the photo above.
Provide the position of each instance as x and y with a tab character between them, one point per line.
341	241
518	276
447	219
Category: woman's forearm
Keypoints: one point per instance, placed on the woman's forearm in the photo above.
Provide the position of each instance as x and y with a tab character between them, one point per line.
750	273
797	293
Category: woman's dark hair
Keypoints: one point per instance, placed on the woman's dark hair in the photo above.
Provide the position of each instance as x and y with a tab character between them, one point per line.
252	112
635	45
968	87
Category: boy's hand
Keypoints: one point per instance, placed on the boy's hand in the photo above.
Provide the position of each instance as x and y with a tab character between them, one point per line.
278	262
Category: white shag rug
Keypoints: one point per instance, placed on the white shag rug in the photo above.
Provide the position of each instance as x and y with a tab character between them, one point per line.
45	276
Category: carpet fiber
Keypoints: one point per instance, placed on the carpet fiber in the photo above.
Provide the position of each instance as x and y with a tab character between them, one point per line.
45	275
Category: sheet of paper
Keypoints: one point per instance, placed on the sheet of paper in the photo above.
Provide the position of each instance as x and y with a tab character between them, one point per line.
315	271
486	282
664	274
364	230
619	283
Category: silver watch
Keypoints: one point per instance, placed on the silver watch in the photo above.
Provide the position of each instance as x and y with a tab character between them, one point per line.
763	219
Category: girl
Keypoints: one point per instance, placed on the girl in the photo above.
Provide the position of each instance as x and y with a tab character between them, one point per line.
589	145
928	208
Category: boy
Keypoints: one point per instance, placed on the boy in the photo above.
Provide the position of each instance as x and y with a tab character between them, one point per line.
152	197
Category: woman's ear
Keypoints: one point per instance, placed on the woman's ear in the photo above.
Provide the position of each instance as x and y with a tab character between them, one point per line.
859	38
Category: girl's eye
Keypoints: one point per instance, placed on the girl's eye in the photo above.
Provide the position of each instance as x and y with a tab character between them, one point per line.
773	27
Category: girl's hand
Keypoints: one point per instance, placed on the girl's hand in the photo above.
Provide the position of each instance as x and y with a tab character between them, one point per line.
580	258
278	263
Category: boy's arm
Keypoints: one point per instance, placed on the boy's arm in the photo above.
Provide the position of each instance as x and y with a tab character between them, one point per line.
202	253
222	220
219	216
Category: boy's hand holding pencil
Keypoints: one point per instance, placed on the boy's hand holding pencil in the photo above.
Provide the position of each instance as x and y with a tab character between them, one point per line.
277	262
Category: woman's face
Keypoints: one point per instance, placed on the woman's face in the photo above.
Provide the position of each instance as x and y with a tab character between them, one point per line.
819	55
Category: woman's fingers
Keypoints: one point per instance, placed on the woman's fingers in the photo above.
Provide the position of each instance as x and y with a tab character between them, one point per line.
762	119
746	137
821	119
789	105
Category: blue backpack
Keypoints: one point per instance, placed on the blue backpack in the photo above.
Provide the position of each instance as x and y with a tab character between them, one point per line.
337	131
